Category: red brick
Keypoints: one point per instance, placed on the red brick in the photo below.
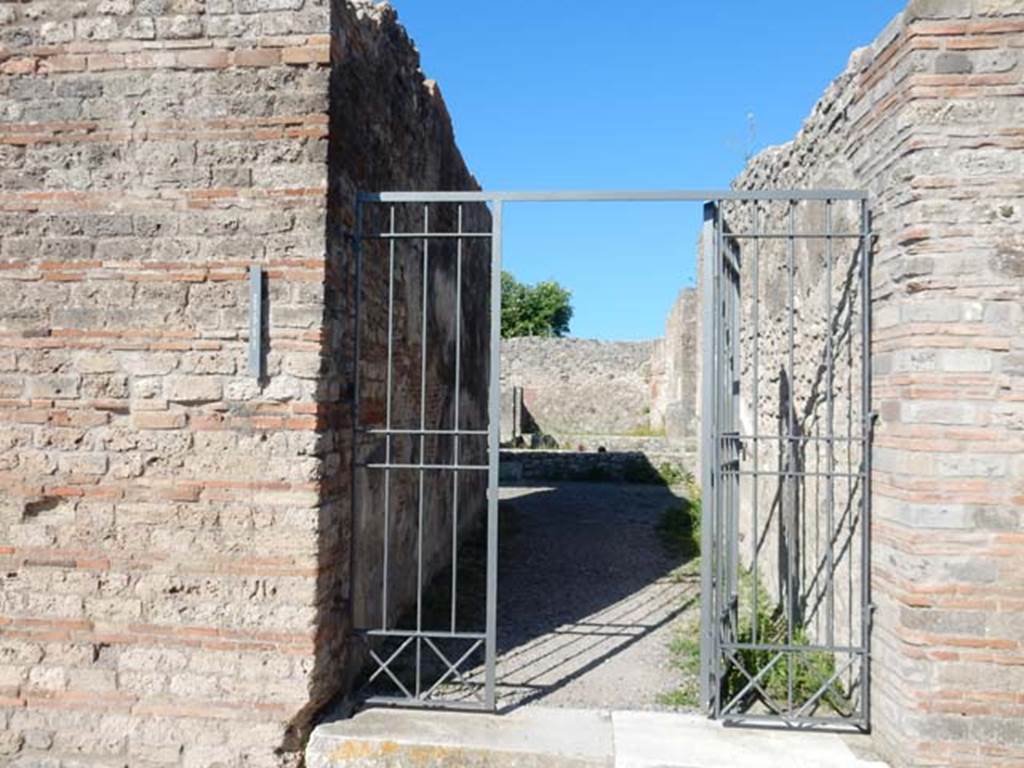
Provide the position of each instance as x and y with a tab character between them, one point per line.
307	54
203	59
257	57
158	420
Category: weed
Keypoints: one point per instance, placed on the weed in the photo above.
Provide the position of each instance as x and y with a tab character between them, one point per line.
685	651
811	670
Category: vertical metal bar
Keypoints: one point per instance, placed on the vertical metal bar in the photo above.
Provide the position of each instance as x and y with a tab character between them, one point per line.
829	443
494	412
791	450
256	321
734	427
721	508
456	425
867	433
387	420
755	538
354	510
422	471
708	438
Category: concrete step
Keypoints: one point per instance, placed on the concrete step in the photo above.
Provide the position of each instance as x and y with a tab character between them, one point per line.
527	737
539	737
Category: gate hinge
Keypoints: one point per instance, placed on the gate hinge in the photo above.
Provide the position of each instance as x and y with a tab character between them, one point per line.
872	419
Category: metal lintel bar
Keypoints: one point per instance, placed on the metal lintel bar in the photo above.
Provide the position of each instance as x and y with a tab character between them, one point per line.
623	196
794	236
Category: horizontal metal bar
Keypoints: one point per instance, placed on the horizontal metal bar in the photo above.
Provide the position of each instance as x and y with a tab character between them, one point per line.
414	633
459	467
851	724
794	236
427	235
401	701
796	438
386	431
783	473
853	650
625	196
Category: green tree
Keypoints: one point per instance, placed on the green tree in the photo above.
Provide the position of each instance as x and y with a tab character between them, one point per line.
543	309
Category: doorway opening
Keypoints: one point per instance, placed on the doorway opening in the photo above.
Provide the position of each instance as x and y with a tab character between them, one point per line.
781	589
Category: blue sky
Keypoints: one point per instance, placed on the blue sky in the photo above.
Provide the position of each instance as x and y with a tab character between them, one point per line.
595	94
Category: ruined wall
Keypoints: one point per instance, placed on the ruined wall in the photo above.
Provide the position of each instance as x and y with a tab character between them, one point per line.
927	120
675	381
174	535
581	386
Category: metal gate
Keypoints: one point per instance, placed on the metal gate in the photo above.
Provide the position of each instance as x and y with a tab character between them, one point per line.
785	448
425	447
786	458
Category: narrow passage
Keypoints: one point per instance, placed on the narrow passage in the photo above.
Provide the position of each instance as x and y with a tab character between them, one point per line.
591	596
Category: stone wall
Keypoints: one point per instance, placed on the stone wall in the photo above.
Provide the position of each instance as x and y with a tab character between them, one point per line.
581	386
175	536
604	393
532	466
927	120
675	389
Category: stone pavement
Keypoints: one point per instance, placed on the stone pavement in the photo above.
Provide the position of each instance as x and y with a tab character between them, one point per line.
541	737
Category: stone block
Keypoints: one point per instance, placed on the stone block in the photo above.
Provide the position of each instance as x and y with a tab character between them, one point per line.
192	389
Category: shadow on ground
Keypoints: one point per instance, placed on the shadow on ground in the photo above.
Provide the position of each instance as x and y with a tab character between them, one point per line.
590	594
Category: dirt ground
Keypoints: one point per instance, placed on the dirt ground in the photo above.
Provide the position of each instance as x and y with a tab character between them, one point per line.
589	596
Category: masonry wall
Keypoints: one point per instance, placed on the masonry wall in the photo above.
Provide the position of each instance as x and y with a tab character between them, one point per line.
927	120
620	395
581	386
174	535
675	390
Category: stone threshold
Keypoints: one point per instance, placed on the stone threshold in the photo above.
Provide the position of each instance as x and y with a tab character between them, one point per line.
541	737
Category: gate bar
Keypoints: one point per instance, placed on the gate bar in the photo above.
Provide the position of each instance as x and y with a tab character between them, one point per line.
583	196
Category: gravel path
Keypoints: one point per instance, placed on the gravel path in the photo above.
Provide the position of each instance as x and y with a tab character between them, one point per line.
588	602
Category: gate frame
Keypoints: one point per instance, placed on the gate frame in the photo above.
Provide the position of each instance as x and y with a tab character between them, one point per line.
712	199
721	445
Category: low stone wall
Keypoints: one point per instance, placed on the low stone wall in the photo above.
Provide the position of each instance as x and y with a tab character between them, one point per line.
593	466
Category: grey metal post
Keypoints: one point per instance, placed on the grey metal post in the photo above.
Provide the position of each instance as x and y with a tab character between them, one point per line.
867	434
493	428
707	423
256	321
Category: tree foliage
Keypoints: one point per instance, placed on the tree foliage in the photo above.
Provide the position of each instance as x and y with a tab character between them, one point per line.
542	309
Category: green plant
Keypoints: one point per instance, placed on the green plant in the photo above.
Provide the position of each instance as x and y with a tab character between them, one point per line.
811	670
646	430
684	651
679	529
672	474
542	309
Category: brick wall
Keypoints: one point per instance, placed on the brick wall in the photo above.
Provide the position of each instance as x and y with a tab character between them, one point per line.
928	119
174	535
